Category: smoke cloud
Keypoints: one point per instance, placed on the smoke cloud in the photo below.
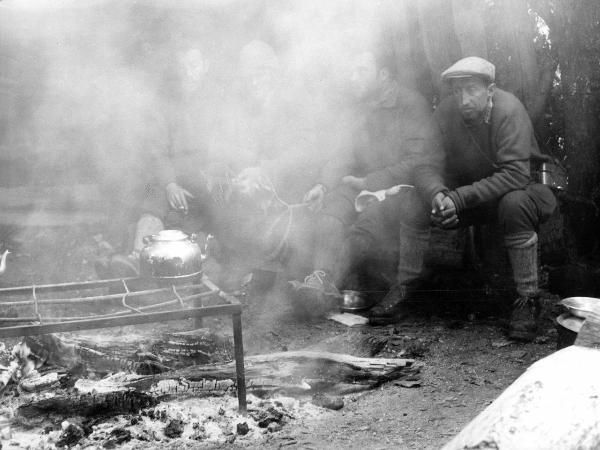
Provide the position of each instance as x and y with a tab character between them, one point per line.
92	90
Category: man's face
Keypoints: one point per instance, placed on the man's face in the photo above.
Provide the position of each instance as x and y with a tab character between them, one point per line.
364	80
260	80
193	69
471	95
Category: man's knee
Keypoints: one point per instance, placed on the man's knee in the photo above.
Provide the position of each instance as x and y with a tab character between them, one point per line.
330	226
517	212
408	208
147	225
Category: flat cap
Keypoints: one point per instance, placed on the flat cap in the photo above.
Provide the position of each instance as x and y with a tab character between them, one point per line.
472	66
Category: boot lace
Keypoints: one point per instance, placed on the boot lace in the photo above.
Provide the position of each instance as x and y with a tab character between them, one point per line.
317	276
523	302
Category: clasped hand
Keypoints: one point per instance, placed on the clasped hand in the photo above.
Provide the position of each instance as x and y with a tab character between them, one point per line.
443	211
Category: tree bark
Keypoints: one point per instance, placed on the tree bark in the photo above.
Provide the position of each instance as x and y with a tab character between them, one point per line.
577	38
515	57
470	27
440	42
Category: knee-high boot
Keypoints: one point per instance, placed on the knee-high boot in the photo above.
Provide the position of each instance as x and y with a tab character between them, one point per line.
523	255
412	246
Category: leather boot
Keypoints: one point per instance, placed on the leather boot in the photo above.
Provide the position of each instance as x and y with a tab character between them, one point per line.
523	319
523	254
413	245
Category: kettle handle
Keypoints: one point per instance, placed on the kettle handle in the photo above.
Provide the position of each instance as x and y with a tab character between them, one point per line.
203	253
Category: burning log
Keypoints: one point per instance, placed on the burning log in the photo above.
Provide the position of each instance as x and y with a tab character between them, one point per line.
9	373
144	355
21	368
86	405
298	374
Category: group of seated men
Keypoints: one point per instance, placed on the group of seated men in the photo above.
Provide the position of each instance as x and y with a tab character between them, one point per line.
468	162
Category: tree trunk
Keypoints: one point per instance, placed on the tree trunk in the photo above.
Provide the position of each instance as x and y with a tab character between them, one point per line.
470	28
441	46
515	57
575	33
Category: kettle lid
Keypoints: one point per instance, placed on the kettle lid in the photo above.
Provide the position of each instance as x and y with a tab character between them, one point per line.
169	235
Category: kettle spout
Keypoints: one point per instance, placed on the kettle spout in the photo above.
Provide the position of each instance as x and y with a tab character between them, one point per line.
3	261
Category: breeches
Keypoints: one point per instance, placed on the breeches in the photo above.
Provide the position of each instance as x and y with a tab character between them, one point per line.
515	212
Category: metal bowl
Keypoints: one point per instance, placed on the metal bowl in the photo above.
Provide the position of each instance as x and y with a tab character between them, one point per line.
570	322
582	306
354	301
567	328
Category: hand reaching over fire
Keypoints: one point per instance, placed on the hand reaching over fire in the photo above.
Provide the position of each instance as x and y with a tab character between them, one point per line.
251	180
314	197
177	197
443	211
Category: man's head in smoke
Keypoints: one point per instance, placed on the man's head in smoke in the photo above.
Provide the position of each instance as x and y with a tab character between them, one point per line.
193	67
372	70
259	67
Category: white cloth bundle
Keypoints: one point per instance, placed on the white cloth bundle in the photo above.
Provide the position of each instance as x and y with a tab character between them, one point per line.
365	197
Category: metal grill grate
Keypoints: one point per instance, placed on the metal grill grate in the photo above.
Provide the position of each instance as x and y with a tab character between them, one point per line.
197	299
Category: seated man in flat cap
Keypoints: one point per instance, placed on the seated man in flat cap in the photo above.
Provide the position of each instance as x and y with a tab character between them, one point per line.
488	148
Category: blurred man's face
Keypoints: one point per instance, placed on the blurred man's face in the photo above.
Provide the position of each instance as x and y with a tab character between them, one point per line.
365	79
471	95
259	80
194	67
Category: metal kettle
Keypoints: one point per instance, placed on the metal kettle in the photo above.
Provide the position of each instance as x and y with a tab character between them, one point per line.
171	254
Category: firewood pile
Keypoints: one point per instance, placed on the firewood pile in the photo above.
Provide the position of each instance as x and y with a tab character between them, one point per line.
66	390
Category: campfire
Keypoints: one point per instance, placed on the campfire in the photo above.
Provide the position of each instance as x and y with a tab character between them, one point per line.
134	383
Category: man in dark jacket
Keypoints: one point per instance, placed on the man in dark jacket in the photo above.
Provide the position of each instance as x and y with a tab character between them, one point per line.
176	192
391	138
488	149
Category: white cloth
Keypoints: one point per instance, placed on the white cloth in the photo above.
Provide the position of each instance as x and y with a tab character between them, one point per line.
365	197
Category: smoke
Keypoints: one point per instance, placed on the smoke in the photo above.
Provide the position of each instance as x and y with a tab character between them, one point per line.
97	88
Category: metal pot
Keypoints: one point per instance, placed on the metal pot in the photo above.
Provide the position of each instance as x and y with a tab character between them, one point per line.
354	301
171	254
568	327
582	306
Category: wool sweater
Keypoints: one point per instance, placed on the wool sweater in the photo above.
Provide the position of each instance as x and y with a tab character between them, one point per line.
480	162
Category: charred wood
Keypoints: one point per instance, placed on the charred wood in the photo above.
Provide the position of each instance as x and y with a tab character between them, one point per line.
298	374
71	405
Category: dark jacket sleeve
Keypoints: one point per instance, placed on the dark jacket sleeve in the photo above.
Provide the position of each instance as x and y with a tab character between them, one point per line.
158	151
429	173
414	142
340	159
399	173
513	142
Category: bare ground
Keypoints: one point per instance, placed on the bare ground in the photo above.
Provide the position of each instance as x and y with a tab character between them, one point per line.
461	345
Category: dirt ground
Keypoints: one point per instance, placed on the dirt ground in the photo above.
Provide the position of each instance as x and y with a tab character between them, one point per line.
460	343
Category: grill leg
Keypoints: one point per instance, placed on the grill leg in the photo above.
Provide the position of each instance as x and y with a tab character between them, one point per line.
198	321
239	362
197	303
